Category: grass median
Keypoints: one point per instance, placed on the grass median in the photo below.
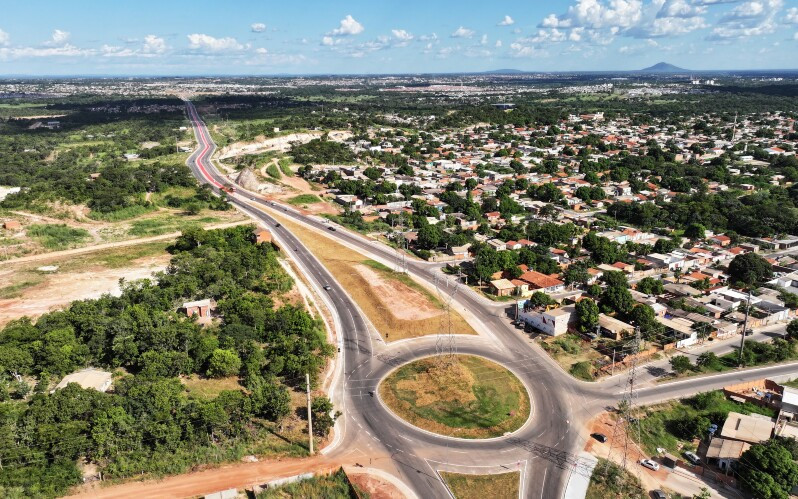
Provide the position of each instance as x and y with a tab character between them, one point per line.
464	397
395	304
495	486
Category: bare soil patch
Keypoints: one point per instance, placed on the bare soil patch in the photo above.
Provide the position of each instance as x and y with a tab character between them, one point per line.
400	301
342	262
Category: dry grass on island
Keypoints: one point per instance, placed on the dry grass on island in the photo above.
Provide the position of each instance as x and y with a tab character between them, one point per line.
495	486
396	305
463	396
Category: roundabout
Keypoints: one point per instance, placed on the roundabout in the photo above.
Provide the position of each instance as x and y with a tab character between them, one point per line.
461	396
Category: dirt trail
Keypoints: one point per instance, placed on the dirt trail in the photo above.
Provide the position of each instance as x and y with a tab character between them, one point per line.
233	476
119	244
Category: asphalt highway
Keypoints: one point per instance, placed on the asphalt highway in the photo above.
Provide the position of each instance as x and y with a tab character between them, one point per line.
544	449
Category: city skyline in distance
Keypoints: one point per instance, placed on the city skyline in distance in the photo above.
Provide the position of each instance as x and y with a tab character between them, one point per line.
204	38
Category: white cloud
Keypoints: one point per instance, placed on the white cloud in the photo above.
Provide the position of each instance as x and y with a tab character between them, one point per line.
498	43
507	21
402	35
4	38
348	26
462	32
211	44
257	27
681	9
523	50
154	45
483	40
261	51
795	36
329	41
57	39
429	38
791	17
754	18
66	50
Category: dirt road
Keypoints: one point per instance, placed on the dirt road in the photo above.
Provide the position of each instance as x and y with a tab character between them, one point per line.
233	476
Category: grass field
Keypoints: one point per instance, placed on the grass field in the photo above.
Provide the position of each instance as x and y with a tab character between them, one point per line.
470	397
497	486
304	199
208	388
57	236
343	262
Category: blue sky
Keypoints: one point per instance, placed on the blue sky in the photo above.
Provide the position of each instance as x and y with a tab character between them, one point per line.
175	37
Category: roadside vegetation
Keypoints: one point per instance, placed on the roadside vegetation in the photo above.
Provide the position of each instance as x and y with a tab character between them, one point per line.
610	480
673	425
304	199
151	423
333	486
495	486
463	396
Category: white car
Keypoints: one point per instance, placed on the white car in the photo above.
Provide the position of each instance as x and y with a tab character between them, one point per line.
648	463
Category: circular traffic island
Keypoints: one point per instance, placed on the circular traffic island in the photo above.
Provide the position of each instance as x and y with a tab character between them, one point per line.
461	396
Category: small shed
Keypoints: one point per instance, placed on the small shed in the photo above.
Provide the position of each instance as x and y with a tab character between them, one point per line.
12	225
263	236
200	308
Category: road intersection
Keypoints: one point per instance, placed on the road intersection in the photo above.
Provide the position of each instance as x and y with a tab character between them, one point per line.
545	449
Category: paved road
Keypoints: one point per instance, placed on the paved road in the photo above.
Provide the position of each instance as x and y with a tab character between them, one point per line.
543	449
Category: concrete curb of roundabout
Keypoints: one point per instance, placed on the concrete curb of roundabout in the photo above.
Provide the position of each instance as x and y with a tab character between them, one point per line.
390	411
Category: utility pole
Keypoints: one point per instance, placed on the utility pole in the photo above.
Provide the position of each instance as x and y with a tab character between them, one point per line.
745	326
310	417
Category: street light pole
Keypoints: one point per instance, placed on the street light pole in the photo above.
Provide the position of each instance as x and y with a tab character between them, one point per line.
745	326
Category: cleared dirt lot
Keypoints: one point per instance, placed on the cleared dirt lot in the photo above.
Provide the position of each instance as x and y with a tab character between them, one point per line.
28	291
343	263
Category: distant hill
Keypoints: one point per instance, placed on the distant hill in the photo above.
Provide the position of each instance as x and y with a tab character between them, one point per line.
663	67
503	72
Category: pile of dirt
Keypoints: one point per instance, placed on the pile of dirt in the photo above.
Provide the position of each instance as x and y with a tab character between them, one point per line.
248	180
400	300
441	382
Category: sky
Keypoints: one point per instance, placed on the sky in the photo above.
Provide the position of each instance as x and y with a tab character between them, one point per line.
247	37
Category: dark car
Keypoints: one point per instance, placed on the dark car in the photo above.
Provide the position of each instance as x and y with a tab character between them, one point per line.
749	332
599	436
331	228
277	225
658	494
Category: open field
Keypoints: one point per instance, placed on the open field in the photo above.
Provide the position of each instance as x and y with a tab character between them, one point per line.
469	397
396	316
495	486
42	233
573	354
26	290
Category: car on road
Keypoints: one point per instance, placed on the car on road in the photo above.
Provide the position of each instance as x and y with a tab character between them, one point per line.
599	436
277	225
749	332
331	228
692	457
648	463
658	494
326	287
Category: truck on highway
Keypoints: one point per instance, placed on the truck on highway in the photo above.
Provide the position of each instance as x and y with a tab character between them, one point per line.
228	189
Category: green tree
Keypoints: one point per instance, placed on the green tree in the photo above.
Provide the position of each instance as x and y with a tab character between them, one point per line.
750	269
587	313
695	231
323	417
223	363
650	286
768	470
792	329
681	364
709	360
